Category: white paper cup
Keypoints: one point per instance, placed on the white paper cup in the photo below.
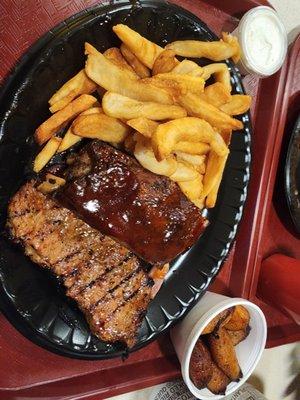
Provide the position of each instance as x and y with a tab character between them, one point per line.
185	335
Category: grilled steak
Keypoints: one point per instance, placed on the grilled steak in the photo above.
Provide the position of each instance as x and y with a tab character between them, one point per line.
105	278
148	213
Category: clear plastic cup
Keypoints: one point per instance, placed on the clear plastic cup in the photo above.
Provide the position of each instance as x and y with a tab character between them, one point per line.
185	335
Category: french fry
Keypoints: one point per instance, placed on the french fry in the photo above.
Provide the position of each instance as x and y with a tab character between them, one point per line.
145	156
238	104
188	67
198	107
185	129
58	120
219	381
112	78
118	106
140	69
198	162
216	94
114	54
175	88
51	183
192	189
239	319
193	84
145	50
144	126
214	170
46	154
220	73
165	62
191	147
79	84
93	110
216	50
238	336
223	354
100	126
184	172
201	369
221	319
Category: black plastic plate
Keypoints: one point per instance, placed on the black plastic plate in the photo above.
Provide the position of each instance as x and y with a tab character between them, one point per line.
31	298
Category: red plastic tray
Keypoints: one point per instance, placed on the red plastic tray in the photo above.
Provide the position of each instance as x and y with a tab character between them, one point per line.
27	371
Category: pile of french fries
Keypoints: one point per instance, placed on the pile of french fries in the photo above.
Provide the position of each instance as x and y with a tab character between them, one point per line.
213	363
156	107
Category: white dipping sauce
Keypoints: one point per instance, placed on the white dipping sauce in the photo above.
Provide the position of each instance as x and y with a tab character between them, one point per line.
263	41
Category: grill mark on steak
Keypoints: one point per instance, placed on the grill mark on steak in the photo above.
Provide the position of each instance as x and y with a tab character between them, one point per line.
81	255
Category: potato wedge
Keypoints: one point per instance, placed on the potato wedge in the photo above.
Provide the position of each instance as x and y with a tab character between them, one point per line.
223	354
46	154
100	126
184	172
51	183
239	319
140	69
213	174
221	319
109	76
79	84
165	62
114	54
193	84
215	50
238	104
144	126
219	381
213	189
216	94
192	189
192	148
118	106
145	156
220	73
201	369
238	336
188	67
185	129
197	107
58	120
145	50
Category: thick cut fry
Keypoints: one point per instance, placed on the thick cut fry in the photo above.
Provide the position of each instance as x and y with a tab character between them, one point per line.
112	78
185	129
118	106
219	381
238	104
188	67
145	50
216	50
144	126
192	84
192	189
89	49
220	320
58	120
79	84
46	154
175	88
238	336
200	365
223	354
233	42
165	62
196	160
100	126
214	171
216	94
51	183
114	54
239	319
93	110
145	156
140	69
192	148
197	107
184	172
220	73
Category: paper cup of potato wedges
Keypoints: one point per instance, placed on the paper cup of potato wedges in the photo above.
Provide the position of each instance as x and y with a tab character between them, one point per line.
219	344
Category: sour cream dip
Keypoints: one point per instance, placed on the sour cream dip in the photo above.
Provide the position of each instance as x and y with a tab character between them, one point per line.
263	40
